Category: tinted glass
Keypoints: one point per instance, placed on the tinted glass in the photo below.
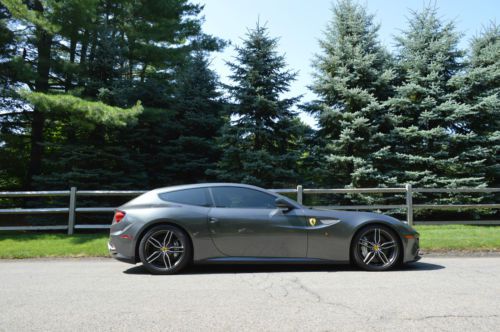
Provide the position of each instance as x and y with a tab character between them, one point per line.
235	197
196	196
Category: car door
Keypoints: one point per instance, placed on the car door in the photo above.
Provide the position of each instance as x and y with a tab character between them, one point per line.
246	223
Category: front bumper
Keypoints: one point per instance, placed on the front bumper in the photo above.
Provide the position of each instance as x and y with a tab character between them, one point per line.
412	249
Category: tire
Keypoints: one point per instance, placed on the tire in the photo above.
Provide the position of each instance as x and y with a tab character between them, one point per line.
165	249
376	248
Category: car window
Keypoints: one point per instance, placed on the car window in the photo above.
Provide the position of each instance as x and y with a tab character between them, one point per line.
237	197
195	196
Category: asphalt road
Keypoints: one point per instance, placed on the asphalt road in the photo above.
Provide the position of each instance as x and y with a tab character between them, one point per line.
442	294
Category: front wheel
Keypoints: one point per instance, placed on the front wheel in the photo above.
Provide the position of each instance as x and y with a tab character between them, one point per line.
165	249
376	248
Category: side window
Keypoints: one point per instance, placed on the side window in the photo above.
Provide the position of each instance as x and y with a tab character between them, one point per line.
196	196
236	197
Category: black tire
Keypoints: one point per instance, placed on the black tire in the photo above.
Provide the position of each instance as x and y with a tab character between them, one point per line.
160	257
372	255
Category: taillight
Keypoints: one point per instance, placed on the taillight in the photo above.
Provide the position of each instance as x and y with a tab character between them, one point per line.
119	215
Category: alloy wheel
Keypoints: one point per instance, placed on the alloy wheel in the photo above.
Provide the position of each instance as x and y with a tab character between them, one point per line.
164	250
377	248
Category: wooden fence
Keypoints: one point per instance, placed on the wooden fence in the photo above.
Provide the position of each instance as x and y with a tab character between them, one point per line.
72	209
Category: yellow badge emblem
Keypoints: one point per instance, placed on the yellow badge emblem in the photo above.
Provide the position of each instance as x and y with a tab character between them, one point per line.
312	221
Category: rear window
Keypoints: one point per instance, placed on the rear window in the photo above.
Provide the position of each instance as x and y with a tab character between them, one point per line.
196	196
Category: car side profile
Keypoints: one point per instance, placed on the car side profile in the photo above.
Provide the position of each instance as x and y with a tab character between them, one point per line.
166	229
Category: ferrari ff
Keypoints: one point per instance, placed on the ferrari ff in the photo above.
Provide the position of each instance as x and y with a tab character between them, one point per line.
166	229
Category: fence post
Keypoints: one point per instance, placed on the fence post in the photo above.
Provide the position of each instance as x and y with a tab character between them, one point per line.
72	207
300	192
409	204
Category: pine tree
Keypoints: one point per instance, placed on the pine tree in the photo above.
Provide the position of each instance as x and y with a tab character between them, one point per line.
85	150
98	58
476	120
197	116
353	77
423	150
12	146
7	40
261	141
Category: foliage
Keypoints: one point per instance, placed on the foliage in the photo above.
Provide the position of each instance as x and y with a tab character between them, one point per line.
428	58
476	119
88	66
120	95
22	11
261	141
79	109
199	108
353	77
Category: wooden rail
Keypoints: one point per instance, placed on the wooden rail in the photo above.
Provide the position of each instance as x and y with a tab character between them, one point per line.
72	210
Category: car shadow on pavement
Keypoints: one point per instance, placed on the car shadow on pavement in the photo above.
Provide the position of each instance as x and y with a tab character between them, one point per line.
420	266
268	268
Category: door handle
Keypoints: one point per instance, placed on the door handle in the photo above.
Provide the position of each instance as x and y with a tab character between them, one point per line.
213	220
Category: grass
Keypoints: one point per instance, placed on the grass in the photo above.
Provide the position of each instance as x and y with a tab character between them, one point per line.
459	237
33	245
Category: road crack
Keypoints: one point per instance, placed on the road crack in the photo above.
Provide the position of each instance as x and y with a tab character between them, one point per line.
450	316
293	289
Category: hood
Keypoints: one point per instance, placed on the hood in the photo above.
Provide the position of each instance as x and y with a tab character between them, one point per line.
350	215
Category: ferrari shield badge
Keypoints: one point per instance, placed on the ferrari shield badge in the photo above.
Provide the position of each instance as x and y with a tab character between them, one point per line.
312	221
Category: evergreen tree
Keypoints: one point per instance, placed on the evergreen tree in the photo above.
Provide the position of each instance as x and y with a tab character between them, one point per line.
352	79
7	42
198	104
84	149
476	121
423	150
177	145
261	141
38	43
12	146
102	57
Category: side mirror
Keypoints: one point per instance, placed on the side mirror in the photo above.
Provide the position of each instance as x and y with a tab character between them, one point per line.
283	204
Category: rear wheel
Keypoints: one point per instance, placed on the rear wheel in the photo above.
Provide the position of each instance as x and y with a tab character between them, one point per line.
376	248
165	249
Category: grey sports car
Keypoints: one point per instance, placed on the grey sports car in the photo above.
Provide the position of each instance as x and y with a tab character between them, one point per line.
166	229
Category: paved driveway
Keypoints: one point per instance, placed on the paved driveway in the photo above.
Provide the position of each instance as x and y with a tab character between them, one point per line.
441	293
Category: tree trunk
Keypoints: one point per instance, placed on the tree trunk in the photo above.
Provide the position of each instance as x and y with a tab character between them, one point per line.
143	72
72	54
83	58
43	45
93	48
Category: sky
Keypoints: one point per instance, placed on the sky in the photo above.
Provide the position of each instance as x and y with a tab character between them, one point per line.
301	23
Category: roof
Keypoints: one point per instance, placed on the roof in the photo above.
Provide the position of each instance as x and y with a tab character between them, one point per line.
204	185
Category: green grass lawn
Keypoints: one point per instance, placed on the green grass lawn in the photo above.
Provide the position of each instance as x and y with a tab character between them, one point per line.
459	237
21	245
26	245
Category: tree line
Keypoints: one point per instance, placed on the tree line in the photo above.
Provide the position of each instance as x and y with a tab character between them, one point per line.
120	95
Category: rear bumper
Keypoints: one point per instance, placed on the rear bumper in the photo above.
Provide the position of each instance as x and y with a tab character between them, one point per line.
116	255
121	245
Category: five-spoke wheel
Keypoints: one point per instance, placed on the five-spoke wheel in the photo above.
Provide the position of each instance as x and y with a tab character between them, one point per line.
376	248
165	249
